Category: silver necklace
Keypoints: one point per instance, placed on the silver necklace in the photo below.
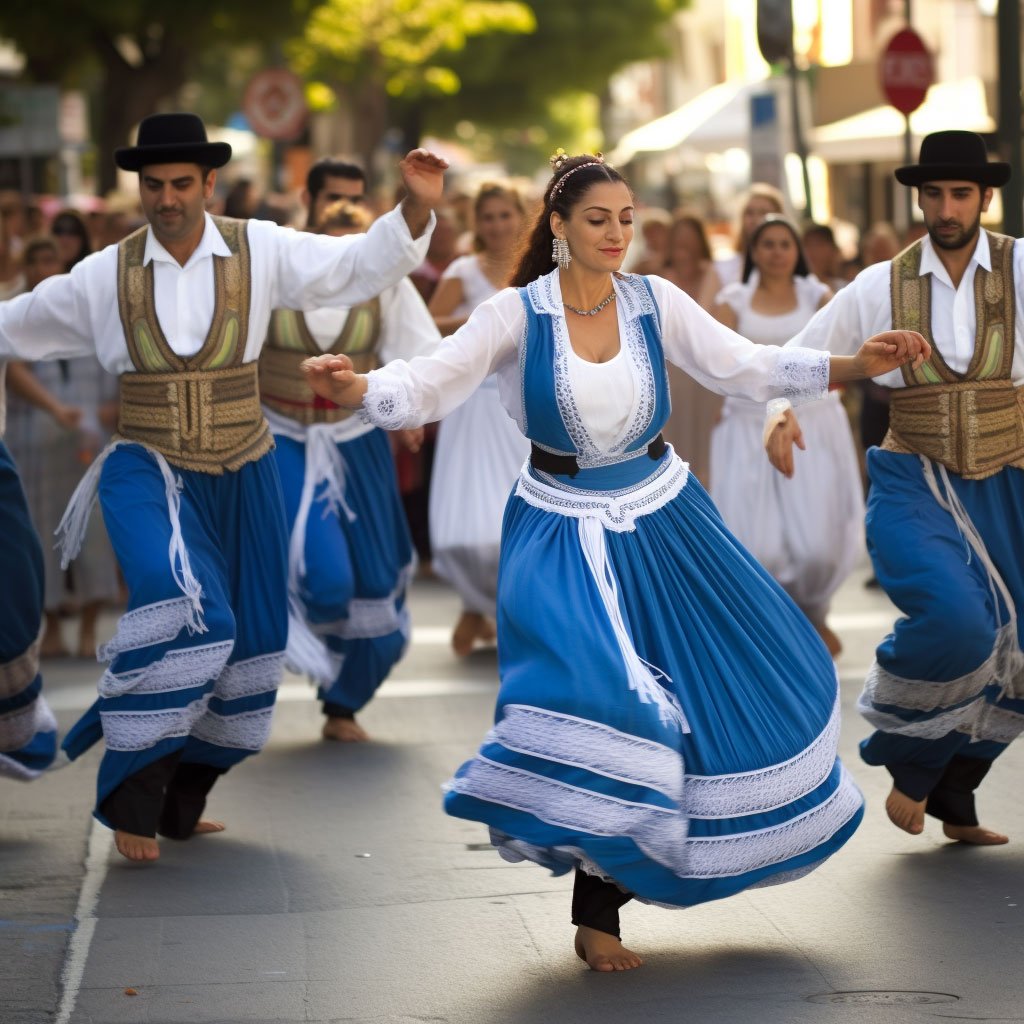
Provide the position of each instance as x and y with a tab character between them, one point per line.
591	312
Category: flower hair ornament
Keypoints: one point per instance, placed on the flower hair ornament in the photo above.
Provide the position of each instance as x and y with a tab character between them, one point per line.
560	159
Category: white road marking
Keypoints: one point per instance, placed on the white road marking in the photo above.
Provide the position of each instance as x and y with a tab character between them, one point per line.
96	862
880	621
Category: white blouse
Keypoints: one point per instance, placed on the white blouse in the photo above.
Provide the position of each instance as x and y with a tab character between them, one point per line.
406	394
77	314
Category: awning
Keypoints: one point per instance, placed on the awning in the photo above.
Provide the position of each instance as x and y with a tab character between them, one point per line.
717	119
877	134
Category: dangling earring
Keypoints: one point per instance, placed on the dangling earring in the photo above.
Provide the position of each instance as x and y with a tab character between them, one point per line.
560	253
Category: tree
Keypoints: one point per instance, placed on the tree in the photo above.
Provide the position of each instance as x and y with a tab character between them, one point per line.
373	52
141	52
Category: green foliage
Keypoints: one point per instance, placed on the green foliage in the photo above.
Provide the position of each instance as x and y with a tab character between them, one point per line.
405	46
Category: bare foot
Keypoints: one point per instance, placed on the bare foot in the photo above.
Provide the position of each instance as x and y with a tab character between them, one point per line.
604	952
470	626
206	826
831	641
140	848
52	644
345	730
905	813
975	835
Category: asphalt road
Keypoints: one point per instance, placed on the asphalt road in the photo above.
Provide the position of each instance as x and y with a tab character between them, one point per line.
340	892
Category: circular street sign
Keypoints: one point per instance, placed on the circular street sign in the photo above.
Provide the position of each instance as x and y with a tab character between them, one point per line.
906	71
274	104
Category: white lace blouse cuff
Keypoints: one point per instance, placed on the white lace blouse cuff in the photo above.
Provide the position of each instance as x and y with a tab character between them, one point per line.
801	375
386	403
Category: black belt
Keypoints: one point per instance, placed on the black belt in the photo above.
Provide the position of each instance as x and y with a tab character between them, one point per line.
566	465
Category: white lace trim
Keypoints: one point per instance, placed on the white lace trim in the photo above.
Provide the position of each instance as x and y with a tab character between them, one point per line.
386	404
372	617
659	832
801	374
71	529
19	672
250	677
176	670
147	625
998	724
19	726
765	789
598	748
140	730
617	510
247	730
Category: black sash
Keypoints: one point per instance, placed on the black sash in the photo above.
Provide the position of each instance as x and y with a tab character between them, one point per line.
566	465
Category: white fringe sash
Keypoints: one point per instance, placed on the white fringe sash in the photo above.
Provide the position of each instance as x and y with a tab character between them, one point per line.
70	531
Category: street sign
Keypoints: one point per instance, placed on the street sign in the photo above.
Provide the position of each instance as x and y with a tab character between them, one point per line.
906	71
274	104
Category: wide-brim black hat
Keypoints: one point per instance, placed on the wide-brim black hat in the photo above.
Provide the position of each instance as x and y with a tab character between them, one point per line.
954	156
172	139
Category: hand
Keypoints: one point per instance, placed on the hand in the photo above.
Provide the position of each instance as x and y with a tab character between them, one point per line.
411	439
889	351
332	377
779	445
423	177
68	416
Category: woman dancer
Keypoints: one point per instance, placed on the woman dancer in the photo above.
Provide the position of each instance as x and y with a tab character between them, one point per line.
479	448
695	410
667	719
807	531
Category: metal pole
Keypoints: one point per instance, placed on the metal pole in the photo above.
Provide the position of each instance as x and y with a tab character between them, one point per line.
908	141
798	136
1009	131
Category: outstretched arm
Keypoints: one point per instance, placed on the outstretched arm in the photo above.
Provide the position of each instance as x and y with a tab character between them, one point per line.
423	177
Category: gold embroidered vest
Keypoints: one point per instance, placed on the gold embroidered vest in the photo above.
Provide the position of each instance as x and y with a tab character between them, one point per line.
201	412
283	386
971	422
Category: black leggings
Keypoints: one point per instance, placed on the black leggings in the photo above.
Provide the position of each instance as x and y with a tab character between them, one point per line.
166	797
595	903
950	795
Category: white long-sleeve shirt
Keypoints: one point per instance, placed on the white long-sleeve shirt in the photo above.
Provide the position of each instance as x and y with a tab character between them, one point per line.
407	329
77	314
407	394
864	308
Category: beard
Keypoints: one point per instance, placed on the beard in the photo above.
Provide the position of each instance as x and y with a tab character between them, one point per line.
958	240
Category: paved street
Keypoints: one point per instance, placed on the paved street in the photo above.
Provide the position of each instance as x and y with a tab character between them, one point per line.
341	892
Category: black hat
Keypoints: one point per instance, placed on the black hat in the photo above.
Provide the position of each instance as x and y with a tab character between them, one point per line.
954	156
172	139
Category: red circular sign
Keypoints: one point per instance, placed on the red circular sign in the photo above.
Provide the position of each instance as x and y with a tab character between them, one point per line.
274	104
906	71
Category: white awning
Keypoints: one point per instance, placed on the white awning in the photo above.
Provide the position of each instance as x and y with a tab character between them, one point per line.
877	134
717	119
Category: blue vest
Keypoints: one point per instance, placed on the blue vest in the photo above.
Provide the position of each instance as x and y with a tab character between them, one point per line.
551	419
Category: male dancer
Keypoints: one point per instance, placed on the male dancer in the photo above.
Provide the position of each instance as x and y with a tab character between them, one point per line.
351	555
189	490
946	692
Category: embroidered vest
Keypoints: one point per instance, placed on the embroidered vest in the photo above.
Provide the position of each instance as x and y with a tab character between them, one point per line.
201	412
971	422
283	386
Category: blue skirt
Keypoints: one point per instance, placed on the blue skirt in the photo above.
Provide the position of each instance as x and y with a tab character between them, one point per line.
583	769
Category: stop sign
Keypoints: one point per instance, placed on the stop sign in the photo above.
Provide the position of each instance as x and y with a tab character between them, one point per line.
274	104
906	71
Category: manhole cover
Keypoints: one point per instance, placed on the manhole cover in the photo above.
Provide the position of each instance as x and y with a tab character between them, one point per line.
883	998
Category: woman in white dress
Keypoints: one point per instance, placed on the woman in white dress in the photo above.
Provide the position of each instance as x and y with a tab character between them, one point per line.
479	448
806	531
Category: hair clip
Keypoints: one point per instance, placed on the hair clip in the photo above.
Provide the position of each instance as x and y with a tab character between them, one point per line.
558	159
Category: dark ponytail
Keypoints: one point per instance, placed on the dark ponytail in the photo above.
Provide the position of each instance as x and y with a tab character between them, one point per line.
572	178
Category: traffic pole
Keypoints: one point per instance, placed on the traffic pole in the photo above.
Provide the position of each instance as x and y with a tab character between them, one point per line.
1009	129
908	140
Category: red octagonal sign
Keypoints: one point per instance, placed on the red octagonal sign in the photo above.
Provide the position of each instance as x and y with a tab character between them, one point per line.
906	71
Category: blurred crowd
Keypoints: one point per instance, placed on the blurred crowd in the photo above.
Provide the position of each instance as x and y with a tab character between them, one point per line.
61	414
